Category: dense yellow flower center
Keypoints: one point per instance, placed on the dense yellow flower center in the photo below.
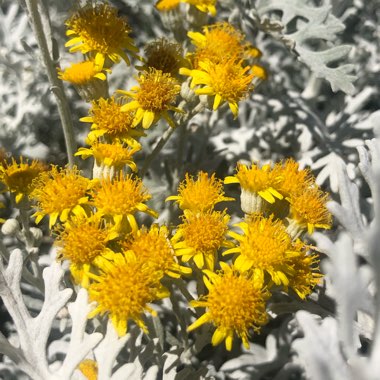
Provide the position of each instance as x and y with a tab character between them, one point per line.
235	303
82	240
309	208
201	194
58	190
164	55
119	196
205	232
157	91
18	177
80	73
255	179
115	154
124	290
100	28
106	115
153	247
265	242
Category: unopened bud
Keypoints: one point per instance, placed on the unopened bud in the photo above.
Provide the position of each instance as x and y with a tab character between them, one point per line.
37	234
11	227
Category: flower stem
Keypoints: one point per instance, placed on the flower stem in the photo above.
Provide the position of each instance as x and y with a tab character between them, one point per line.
35	18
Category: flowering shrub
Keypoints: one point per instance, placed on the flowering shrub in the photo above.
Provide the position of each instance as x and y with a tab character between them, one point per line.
185	229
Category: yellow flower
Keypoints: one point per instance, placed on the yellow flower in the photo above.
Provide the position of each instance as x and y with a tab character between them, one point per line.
201	194
81	73
123	290
59	193
265	247
228	81
82	240
109	121
308	210
167	5
115	154
234	304
153	98
257	184
219	42
164	55
121	197
200	236
18	177
306	274
98	30
89	368
154	248
206	6
293	181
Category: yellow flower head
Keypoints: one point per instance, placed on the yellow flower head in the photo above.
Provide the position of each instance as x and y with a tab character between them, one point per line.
265	247
124	289
81	73
89	369
115	154
308	209
201	194
200	236
164	55
206	6
234	304
293	180
82	240
59	193
228	81
154	248
98	30
257	184
109	121
306	274
153	98
121	196
18	177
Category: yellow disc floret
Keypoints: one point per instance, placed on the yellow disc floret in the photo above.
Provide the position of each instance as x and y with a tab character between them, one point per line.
200	236
58	193
124	289
153	98
234	304
98	30
200	194
81	73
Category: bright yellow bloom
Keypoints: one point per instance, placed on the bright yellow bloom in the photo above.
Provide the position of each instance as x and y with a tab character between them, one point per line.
293	180
164	55
257	184
98	30
308	209
82	240
109	121
153	98
228	81
219	42
18	177
123	290
81	73
121	197
115	154
200	236
306	274
154	248
206	6
265	247
59	193
201	194
89	368
234	304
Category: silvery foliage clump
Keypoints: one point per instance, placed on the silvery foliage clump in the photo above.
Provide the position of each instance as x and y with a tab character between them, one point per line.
319	105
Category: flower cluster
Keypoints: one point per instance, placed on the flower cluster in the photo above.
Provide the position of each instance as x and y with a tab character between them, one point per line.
269	255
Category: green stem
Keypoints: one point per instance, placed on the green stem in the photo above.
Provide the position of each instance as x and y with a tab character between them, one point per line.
35	18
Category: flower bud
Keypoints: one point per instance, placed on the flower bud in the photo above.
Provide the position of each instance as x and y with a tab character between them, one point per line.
11	227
